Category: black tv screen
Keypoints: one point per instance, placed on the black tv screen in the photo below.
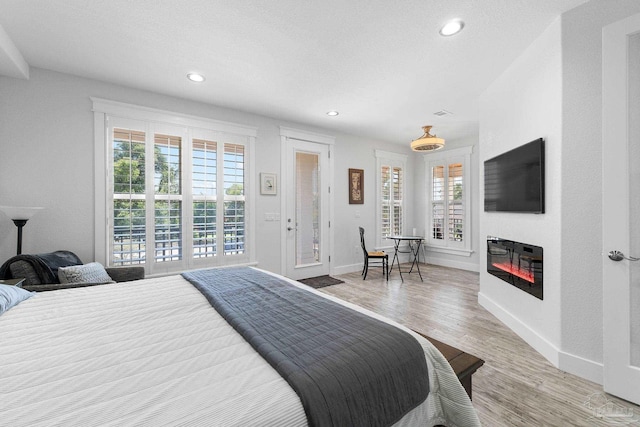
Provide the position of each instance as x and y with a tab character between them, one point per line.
514	181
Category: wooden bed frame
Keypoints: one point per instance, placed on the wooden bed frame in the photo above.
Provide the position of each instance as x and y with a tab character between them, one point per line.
463	364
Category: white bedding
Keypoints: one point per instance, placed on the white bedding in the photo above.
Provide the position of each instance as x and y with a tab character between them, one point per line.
154	352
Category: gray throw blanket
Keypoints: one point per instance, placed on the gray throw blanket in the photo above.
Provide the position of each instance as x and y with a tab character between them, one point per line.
45	265
348	368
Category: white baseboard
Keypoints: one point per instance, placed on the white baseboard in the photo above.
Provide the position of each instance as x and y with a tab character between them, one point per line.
584	368
344	269
469	266
531	337
576	365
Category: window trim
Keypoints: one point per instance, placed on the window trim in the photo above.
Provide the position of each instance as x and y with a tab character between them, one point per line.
103	109
393	160
460	155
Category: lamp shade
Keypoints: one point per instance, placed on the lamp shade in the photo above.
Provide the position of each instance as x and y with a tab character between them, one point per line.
18	212
427	142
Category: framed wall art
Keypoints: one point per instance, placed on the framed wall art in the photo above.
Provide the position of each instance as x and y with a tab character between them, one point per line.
356	186
268	184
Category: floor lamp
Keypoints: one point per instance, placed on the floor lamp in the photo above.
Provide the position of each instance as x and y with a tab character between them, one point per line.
19	216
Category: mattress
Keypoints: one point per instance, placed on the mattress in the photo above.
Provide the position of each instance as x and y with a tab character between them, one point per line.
154	352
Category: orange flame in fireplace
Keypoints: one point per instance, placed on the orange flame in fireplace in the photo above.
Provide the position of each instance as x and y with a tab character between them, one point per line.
525	274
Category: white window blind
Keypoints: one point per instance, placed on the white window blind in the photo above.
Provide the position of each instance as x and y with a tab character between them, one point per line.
456	213
437	203
396	201
385	205
204	193
167	197
234	222
162	204
129	187
391	207
175	190
390	196
449	199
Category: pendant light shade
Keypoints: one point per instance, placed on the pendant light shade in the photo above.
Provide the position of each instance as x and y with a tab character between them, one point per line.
427	142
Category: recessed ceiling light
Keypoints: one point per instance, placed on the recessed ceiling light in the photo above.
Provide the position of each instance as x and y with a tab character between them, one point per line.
332	113
195	77
451	28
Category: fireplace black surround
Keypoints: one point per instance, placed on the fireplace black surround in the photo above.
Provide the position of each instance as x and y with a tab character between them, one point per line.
518	264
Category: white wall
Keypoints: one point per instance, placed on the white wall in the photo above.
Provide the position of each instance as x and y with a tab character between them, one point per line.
581	247
350	153
523	104
46	159
554	90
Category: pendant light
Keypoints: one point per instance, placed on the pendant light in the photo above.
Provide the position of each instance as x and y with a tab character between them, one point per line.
427	142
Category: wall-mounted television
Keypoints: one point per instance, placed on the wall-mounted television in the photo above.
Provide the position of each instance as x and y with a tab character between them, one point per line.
514	181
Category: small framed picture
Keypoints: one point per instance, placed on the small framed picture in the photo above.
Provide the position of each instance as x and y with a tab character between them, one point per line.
268	184
356	186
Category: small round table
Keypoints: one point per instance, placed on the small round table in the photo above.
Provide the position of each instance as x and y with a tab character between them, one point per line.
414	250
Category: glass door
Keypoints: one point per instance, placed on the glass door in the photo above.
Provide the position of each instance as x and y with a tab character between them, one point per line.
307	213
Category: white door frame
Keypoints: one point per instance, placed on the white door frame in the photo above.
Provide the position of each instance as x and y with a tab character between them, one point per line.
287	134
620	378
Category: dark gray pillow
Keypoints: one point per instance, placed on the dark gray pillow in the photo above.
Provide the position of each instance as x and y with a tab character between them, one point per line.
23	269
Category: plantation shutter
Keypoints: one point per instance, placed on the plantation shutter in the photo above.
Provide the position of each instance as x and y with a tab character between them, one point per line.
234	199
437	203
204	178
391	206
385	206
456	209
449	198
398	213
129	205
168	197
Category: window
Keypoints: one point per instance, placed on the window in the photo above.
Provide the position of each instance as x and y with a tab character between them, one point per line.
391	207
206	193
390	195
204	183
167	166
233	197
448	200
129	218
175	196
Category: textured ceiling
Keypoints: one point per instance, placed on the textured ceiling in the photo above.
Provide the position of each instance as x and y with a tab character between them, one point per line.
380	63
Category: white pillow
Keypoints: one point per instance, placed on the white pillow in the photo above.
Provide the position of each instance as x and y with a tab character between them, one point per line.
11	296
92	272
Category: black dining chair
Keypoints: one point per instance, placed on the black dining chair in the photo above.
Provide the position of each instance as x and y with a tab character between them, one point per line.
380	258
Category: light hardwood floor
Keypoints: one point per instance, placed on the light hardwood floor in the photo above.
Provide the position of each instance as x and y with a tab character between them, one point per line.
516	386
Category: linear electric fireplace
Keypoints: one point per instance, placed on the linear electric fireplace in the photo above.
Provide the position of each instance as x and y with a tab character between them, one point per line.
518	264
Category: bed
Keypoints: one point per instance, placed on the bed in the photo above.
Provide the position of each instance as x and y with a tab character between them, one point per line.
155	352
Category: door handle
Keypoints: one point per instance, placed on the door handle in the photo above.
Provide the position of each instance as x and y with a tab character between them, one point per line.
619	256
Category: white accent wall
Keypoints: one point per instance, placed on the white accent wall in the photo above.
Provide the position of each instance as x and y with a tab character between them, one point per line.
523	104
554	90
583	254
